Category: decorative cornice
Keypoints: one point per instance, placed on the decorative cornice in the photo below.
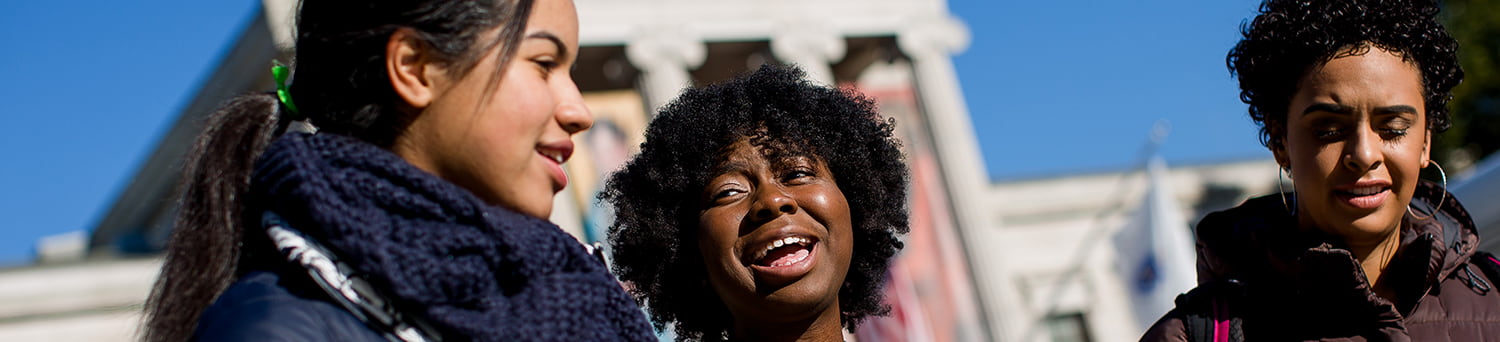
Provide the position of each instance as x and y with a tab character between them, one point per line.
656	47
810	44
615	22
944	35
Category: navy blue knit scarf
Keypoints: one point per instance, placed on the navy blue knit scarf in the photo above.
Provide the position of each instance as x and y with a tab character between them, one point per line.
474	271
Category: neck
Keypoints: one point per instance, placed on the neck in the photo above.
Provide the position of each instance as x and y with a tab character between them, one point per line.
1374	253
1374	257
825	327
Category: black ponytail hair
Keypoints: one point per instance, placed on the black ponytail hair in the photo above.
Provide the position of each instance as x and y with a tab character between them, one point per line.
340	86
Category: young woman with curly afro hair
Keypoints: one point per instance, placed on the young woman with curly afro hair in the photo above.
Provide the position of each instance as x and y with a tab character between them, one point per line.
764	208
1348	95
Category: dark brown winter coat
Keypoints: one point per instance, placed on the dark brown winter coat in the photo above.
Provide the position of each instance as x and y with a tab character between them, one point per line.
1281	283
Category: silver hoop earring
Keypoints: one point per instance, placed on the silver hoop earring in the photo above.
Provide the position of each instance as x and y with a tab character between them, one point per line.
1290	206
1444	176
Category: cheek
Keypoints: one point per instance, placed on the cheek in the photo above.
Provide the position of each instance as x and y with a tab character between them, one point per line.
1406	166
511	127
1311	162
831	209
717	234
529	98
520	113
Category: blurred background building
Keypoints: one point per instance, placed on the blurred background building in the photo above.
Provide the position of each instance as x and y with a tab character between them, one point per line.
1079	256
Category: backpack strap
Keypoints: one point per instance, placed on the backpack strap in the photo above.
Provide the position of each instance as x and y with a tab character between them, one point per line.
1212	312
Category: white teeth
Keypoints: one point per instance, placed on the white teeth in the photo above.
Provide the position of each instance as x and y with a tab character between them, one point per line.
557	157
790	240
1366	191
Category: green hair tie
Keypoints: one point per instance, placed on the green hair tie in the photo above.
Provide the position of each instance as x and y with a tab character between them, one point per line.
280	72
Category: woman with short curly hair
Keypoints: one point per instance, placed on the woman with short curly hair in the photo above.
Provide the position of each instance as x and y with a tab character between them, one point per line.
1348	95
762	208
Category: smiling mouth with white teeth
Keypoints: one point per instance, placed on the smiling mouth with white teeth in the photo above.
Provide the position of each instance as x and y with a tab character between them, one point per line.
784	252
1364	191
556	156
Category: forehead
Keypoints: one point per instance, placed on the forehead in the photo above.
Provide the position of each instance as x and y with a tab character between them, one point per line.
556	16
760	150
1374	73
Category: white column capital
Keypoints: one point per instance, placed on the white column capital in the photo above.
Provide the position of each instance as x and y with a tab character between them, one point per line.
664	54
945	36
811	45
664	46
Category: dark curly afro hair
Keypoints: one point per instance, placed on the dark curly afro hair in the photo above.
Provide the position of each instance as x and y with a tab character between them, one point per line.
1290	37
655	196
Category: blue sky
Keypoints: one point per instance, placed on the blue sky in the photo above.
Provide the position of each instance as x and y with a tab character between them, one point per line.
1053	87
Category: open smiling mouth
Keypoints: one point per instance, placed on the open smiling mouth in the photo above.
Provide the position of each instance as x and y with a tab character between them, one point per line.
785	260
785	252
1365	197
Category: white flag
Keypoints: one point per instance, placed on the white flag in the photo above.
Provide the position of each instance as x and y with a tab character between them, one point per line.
1156	257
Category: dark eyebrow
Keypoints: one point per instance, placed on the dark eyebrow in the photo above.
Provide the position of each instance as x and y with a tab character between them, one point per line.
1328	107
789	159
562	49
727	167
1397	109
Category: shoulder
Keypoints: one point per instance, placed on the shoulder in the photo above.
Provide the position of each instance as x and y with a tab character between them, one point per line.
1465	304
1231	239
261	307
1245	220
1170	328
1209	312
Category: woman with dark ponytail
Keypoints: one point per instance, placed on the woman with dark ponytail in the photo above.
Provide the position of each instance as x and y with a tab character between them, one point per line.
395	188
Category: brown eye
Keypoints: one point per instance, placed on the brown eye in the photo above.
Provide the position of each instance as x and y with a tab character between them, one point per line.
727	193
1328	134
1395	128
1328	130
545	65
796	175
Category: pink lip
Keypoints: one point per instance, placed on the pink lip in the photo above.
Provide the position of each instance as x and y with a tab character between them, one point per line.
776	276
563	148
1370	201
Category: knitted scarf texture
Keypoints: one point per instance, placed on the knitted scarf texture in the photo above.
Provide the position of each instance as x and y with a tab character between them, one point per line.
474	271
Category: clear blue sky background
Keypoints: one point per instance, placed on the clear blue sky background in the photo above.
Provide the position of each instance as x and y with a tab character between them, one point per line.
1053	87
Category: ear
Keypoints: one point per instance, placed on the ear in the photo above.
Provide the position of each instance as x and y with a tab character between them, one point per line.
1426	148
411	71
1278	149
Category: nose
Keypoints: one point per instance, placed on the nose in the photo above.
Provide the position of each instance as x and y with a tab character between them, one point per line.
572	114
772	202
1362	152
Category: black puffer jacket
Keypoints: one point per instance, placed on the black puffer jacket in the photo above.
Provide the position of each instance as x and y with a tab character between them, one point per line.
1270	281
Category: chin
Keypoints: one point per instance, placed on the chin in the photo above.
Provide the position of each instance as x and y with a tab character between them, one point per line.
535	209
808	296
1376	224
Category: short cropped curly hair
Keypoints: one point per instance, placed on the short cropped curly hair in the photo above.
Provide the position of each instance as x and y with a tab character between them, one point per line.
1290	37
655	195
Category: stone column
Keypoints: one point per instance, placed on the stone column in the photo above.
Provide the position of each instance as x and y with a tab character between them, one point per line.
811	46
664	55
281	16
930	43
